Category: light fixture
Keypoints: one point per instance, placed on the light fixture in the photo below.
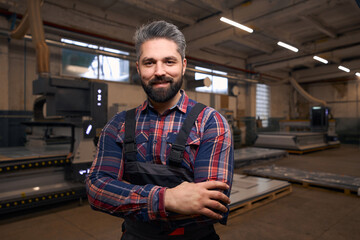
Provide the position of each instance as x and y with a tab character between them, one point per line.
88	129
357	74
321	59
285	45
343	68
235	24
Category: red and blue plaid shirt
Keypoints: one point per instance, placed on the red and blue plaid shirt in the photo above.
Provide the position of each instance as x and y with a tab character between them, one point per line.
208	154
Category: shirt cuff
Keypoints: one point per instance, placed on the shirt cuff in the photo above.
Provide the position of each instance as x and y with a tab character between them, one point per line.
162	210
156	203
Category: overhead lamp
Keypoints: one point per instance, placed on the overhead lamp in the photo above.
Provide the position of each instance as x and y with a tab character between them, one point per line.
285	45
343	68
321	59
357	74
235	24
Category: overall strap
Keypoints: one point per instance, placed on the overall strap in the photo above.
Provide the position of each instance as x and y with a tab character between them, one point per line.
129	141
178	148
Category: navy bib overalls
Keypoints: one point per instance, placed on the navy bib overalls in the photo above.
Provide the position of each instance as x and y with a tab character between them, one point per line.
170	175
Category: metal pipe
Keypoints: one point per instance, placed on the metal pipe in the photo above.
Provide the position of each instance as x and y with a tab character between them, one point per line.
37	30
306	95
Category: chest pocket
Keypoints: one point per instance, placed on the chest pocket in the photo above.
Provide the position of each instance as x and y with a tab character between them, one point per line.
142	146
191	148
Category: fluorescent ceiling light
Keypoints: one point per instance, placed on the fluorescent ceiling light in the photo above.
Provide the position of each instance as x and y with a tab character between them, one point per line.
343	68
282	44
235	24
321	59
357	74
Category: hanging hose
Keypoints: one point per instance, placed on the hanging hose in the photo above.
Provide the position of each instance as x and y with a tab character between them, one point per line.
32	19
303	93
38	36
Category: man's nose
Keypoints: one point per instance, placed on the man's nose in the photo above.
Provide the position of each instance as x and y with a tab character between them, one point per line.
159	69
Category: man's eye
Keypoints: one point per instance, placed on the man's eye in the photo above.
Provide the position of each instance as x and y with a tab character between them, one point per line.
170	62
147	63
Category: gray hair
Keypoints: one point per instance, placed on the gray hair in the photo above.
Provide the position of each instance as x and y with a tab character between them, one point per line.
159	29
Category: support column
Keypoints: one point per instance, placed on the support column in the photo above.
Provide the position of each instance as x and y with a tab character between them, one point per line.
4	69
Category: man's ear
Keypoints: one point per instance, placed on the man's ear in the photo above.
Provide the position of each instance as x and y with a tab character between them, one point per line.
137	67
184	66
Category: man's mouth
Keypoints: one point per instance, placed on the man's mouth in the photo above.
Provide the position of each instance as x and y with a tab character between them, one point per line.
160	82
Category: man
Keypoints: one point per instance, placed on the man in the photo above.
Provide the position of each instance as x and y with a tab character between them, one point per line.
166	167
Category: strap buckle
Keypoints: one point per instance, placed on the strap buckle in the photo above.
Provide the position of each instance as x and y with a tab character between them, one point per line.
176	155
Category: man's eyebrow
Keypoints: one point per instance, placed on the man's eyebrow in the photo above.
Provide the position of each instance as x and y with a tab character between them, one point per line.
147	59
170	58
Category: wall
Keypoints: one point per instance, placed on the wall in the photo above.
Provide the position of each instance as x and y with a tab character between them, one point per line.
342	97
279	100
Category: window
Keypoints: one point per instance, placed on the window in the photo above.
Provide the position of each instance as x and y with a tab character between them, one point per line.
263	103
218	84
91	65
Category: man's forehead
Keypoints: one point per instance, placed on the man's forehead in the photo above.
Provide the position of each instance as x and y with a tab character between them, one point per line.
157	45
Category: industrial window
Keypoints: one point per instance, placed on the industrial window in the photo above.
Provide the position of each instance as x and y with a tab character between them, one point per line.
219	84
78	63
263	103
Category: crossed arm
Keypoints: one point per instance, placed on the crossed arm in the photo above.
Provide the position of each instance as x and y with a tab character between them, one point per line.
197	198
109	193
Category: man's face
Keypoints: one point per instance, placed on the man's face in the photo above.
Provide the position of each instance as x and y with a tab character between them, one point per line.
161	69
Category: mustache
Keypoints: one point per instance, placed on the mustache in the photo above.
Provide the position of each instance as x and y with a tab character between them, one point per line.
161	79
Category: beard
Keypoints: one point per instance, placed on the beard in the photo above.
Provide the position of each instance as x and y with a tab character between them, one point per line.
162	95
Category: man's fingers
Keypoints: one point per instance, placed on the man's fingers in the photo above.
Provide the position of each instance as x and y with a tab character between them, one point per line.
215	185
211	214
215	205
219	196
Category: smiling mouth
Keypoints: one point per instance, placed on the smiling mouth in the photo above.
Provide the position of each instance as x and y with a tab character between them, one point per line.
159	83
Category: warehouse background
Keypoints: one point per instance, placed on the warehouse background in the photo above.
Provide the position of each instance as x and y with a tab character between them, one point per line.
246	69
325	28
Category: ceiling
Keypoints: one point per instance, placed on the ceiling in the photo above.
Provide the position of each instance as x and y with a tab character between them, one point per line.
327	28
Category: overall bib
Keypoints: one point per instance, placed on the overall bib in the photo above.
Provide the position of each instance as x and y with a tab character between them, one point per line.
170	175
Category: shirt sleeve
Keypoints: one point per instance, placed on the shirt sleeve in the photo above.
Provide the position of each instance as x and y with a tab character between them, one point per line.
215	157
106	190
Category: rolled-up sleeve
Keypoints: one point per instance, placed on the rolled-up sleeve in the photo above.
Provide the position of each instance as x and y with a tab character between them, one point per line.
106	190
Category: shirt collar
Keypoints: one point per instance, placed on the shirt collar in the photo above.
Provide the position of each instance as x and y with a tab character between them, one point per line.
181	105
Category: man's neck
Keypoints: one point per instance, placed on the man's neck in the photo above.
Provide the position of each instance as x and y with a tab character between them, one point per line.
162	107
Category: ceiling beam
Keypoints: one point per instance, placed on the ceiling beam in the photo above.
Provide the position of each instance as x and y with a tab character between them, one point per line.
230	52
252	43
319	25
157	9
216	4
311	48
332	56
327	71
242	13
210	39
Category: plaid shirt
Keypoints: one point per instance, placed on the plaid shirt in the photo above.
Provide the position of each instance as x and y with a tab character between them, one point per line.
208	154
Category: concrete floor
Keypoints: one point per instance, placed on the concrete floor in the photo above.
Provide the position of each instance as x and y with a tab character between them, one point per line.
307	213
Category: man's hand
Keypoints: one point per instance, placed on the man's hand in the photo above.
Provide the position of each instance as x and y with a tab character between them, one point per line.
197	198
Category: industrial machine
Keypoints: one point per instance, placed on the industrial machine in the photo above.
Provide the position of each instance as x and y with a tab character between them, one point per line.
317	133
61	139
60	146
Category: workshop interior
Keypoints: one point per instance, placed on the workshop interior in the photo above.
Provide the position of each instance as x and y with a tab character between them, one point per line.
284	74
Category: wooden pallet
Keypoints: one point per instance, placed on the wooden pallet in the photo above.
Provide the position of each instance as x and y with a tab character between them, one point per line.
259	201
326	187
312	149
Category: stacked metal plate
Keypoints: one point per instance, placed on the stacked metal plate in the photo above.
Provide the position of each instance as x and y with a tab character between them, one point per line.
249	155
299	141
318	179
